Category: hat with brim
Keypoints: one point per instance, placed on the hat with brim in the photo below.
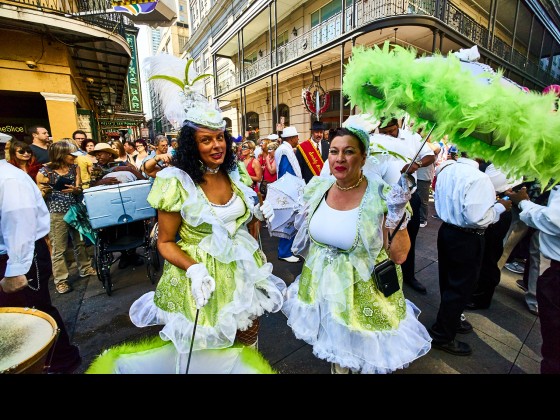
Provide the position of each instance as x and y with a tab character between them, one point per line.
289	132
104	147
317	125
5	138
78	153
499	180
272	137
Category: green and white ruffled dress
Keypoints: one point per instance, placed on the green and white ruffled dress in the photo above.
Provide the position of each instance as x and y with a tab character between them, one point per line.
334	304
245	285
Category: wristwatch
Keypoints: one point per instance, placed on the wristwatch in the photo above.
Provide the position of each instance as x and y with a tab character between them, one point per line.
418	162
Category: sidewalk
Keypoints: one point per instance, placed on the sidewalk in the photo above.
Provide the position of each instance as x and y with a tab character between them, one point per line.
506	337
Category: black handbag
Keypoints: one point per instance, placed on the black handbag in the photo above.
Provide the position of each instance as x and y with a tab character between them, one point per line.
386	279
385	273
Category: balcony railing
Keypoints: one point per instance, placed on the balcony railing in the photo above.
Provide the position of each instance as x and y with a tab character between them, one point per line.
93	12
370	10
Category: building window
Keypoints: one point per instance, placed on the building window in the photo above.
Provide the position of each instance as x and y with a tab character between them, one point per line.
250	58
284	117
252	129
282	39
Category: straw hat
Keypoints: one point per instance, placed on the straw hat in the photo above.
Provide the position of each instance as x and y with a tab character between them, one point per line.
104	147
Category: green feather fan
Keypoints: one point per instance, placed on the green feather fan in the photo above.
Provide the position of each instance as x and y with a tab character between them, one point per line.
516	130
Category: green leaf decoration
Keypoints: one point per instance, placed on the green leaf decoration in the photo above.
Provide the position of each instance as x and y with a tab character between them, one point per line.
169	79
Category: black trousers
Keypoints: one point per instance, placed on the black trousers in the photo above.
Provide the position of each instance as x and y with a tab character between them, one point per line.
490	274
459	258
548	299
413	227
63	353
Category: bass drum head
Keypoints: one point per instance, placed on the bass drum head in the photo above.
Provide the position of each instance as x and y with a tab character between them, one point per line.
26	336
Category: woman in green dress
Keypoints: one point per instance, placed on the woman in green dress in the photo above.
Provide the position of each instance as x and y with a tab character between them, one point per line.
343	228
216	272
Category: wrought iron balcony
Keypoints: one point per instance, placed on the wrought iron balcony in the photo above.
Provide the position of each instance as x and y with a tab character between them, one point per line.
93	12
368	11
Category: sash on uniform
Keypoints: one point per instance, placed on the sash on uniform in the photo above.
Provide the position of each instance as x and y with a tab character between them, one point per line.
312	157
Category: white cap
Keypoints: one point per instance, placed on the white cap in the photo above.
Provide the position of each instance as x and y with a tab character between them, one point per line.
289	132
272	137
499	180
5	138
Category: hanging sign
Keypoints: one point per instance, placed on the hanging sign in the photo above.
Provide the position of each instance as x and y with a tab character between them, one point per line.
133	78
134	7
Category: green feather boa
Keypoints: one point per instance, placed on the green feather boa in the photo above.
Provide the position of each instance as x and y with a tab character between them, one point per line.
516	130
105	362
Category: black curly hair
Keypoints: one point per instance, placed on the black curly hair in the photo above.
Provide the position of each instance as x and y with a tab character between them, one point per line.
187	157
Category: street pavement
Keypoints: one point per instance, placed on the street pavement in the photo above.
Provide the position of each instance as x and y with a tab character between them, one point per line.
506	337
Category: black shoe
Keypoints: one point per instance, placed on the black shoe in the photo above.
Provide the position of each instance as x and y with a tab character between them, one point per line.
416	285
464	327
522	285
457	348
474	306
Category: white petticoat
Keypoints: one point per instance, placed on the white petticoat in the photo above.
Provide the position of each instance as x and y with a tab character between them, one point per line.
361	351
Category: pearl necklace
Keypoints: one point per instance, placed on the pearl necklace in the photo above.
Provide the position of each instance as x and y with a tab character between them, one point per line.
350	187
212	171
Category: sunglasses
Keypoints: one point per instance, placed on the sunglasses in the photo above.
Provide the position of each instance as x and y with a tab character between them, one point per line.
244	148
24	152
270	150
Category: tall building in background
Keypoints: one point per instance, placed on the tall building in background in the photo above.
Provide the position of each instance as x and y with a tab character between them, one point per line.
168	40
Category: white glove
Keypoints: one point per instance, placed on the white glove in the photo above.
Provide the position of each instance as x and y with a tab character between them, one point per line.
396	199
202	284
258	213
267	211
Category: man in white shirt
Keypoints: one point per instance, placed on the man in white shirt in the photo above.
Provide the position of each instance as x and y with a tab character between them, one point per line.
494	236
287	163
406	144
466	203
25	260
547	221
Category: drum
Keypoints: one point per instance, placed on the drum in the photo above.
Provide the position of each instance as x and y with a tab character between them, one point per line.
26	336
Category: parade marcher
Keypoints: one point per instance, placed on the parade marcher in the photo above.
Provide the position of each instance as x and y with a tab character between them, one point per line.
287	162
214	278
25	260
494	237
547	221
334	305
313	152
407	144
466	203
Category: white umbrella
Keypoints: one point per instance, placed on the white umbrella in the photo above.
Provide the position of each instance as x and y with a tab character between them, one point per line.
285	197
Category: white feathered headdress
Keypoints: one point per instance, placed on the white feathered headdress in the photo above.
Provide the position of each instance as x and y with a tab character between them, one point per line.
180	90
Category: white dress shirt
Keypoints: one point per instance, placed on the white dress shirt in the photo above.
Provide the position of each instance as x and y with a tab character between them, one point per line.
24	218
547	221
406	144
465	196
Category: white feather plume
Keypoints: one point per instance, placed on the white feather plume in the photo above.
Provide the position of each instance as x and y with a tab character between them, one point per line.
172	97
